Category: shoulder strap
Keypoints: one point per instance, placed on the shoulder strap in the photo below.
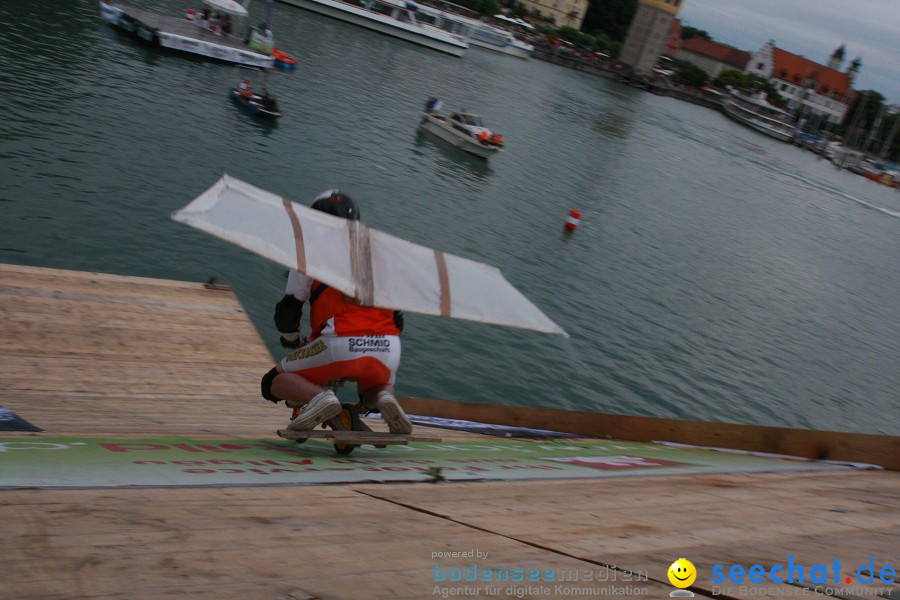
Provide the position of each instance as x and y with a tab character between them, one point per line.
321	287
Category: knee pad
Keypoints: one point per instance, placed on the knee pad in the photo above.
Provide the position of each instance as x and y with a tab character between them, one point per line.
266	386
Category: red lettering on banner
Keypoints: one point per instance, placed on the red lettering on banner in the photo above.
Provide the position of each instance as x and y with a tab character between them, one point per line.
133	447
617	462
210	448
186	447
126	447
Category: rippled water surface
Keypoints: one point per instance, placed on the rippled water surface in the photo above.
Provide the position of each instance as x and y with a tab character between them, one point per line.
716	274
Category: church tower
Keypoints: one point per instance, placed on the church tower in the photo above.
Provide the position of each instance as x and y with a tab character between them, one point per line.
837	58
853	69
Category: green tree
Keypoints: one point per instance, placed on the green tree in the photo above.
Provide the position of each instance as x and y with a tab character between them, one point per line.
491	7
570	34
691	75
893	152
861	117
603	43
733	77
750	84
864	108
612	17
615	49
551	32
483	7
688	32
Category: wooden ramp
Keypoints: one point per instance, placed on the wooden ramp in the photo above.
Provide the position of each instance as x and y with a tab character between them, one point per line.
85	354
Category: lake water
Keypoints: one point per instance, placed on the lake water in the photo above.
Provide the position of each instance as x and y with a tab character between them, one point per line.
716	274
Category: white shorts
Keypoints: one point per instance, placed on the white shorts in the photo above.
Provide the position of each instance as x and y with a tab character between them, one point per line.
369	360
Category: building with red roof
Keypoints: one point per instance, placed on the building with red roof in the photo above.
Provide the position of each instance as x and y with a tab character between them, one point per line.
809	87
674	42
712	57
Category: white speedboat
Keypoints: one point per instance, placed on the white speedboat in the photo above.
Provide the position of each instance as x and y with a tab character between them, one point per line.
478	33
392	17
463	129
192	34
756	112
500	40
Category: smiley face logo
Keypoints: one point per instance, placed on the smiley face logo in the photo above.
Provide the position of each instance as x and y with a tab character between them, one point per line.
682	573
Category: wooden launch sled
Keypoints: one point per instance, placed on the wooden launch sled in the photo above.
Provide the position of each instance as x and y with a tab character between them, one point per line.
348	431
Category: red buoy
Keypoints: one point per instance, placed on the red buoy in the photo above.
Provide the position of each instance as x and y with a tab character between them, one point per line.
572	219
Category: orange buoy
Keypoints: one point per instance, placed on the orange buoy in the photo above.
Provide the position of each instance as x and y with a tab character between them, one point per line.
573	219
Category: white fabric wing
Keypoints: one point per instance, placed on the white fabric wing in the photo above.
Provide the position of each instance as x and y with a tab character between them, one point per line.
375	268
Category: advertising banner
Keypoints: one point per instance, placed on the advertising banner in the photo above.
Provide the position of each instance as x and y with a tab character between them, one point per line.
69	462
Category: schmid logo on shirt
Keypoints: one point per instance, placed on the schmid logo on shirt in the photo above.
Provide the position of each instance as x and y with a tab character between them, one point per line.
369	344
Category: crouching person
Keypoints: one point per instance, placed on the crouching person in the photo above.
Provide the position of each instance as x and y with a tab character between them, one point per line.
347	342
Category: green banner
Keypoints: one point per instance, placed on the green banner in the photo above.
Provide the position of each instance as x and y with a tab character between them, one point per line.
67	462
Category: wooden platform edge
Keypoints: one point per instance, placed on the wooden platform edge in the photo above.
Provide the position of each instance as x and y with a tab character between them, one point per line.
883	450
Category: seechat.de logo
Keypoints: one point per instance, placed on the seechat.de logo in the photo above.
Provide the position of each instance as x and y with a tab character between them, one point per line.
794	572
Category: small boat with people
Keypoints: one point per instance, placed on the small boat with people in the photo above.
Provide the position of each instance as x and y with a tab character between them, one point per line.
211	32
396	18
261	105
463	129
756	112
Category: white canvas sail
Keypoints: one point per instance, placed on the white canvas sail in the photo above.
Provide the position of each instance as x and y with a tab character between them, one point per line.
368	265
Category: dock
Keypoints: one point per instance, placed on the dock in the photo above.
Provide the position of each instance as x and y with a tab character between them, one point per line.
177	33
138	460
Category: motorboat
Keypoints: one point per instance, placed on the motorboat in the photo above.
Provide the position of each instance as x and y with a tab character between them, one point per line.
462	129
487	36
876	171
284	61
193	33
261	105
397	18
754	111
478	32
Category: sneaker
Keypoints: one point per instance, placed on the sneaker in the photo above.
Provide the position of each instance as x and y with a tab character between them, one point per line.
392	414
321	408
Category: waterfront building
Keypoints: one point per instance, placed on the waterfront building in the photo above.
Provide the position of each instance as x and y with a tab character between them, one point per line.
648	34
712	57
674	42
561	13
809	87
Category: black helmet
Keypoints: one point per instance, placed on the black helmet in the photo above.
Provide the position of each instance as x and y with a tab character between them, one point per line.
337	203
